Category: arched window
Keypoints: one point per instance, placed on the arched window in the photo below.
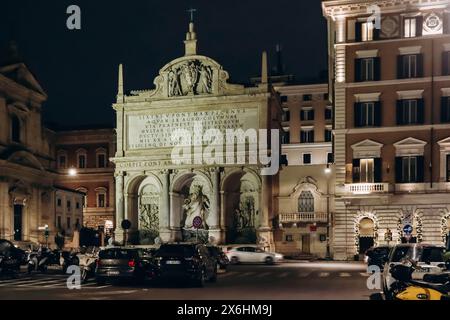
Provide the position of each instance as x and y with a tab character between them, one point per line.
101	158
306	202
101	197
15	128
85	199
81	159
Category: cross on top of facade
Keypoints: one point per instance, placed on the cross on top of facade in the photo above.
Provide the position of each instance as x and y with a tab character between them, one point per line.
191	11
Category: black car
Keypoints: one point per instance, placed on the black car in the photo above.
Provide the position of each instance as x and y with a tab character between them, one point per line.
123	264
221	258
378	256
186	261
11	258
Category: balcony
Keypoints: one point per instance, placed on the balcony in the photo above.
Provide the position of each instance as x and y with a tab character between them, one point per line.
307	217
367	188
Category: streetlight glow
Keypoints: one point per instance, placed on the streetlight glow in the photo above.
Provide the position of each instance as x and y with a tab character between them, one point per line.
72	172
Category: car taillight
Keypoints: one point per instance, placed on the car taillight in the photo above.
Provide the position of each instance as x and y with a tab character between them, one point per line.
131	263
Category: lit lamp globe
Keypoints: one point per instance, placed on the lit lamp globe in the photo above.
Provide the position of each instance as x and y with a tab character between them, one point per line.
72	172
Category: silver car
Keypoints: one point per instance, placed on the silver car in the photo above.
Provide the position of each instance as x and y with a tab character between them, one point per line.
252	254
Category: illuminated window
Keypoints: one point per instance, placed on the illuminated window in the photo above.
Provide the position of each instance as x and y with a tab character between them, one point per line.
410	27
306	202
367	31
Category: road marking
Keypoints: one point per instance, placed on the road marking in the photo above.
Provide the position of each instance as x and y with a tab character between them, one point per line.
304	274
227	274
283	275
245	274
264	274
324	274
345	275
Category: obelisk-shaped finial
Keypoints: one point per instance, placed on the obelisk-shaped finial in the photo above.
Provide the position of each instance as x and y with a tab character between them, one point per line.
120	93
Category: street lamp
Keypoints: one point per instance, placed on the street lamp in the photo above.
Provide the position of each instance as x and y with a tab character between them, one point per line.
73	172
327	172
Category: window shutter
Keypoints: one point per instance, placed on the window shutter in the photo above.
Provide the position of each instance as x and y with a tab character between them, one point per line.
376	69
400	73
377	111
419	65
312	115
302	115
444	109
358	122
419	26
377	170
358	76
399	112
420	111
445	69
420	169
376	33
312	136
398	170
358	33
356	175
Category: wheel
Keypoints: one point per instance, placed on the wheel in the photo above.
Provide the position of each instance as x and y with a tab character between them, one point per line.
214	276
268	260
234	260
84	275
30	268
200	282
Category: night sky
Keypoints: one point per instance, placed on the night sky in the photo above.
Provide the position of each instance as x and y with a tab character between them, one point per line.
78	69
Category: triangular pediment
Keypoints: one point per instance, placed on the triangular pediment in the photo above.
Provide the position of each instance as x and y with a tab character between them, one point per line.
367	144
445	141
23	76
410	142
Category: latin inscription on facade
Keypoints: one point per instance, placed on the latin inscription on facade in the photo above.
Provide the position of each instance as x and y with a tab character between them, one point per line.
155	130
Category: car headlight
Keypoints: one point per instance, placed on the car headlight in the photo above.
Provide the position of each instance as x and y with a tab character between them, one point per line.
279	256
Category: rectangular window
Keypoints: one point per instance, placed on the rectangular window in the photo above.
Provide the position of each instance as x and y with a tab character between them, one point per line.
284	160
366	170
59	202
101	158
69	205
307	158
77	205
289	238
445	109
410	26
101	200
68	223
367	69
410	111
285	138
365	114
328	135
328	114
307	136
307	97
307	114
367	31
77	223
445	63
326	96
448	168
410	66
82	161
409	169
286	116
62	162
330	157
284	99
59	224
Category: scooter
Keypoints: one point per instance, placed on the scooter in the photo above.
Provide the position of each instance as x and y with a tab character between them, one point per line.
88	263
40	260
405	288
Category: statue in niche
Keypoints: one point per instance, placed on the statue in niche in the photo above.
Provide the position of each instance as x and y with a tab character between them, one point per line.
246	214
149	209
196	205
174	83
205	82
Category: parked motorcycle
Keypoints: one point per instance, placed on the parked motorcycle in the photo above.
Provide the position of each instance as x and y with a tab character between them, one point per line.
433	287
88	262
69	259
44	257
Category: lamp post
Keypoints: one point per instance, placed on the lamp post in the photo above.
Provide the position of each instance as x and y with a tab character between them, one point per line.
327	174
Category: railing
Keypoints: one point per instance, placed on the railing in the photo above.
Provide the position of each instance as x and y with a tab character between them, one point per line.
303	217
367	188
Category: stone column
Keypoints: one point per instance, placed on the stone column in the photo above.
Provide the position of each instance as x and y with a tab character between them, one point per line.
265	230
164	213
215	232
120	208
174	220
4	209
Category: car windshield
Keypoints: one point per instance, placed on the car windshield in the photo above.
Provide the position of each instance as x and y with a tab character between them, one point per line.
431	254
400	253
176	251
118	254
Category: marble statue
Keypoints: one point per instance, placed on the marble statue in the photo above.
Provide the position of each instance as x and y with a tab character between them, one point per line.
196	205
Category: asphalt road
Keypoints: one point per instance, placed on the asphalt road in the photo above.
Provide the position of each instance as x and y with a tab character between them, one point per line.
286	281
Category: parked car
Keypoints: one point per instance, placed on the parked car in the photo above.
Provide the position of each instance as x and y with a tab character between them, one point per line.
252	254
11	258
377	256
430	259
123	264
186	261
221	258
